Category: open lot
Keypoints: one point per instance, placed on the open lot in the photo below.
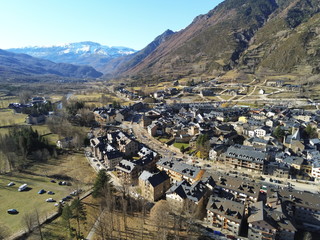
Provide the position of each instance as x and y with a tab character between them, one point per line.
74	168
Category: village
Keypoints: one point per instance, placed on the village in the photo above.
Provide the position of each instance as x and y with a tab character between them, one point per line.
243	172
238	172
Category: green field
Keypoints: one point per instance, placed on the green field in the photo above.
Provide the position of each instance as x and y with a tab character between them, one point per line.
179	145
27	202
8	117
74	166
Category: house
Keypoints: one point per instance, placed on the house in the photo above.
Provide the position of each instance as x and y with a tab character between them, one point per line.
108	115
112	158
191	197
225	214
179	171
153	185
128	172
275	83
303	207
126	145
240	156
35	119
260	226
237	189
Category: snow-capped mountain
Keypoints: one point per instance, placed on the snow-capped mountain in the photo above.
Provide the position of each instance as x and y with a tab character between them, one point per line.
81	53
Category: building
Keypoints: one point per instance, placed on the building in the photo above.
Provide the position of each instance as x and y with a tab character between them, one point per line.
190	197
128	172
153	185
179	171
225	214
267	222
303	207
239	156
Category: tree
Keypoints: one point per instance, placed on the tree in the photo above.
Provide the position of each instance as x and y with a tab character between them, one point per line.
161	218
66	219
24	96
182	149
203	145
310	132
279	133
78	213
102	181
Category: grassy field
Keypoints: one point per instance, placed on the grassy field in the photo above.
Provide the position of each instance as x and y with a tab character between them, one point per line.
6	100
73	166
44	130
27	202
179	145
8	117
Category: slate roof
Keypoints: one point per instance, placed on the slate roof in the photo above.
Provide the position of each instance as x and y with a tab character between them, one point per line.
192	192
180	167
126	166
301	199
246	153
232	210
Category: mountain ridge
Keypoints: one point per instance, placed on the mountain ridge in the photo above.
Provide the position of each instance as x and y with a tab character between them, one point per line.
12	64
242	35
79	53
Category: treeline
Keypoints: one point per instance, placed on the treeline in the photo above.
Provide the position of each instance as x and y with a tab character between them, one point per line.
22	145
39	109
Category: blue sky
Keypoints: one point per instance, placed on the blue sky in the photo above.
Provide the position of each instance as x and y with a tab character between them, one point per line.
129	23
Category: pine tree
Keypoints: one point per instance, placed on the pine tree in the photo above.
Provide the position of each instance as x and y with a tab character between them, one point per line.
102	181
78	213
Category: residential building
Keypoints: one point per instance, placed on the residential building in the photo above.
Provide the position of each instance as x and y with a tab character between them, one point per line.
179	171
225	214
154	185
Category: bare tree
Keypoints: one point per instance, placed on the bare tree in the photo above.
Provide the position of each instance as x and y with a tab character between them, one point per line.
38	223
161	218
29	221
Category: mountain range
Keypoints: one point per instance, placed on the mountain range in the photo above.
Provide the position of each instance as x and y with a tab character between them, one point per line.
260	37
81	53
15	64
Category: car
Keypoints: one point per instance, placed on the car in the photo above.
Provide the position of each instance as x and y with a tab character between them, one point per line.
42	191
56	204
68	197
208	165
50	200
12	211
11	184
50	192
53	181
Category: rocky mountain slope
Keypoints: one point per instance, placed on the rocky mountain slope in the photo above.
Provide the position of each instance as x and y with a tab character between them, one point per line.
251	36
81	53
13	64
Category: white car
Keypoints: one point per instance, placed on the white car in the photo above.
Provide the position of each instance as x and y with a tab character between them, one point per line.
10	184
50	200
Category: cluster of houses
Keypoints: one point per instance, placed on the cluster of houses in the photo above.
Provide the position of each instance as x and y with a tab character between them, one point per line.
240	138
244	138
33	118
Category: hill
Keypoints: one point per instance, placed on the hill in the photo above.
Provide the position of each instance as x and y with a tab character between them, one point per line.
262	37
13	64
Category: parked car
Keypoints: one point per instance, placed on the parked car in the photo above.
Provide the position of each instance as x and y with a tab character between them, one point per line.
53	181
12	211
42	191
50	200
50	192
11	184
